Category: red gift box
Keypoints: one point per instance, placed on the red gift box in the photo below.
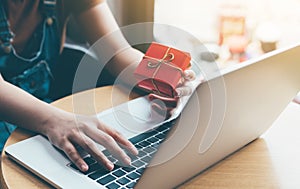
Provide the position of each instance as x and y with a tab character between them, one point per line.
161	69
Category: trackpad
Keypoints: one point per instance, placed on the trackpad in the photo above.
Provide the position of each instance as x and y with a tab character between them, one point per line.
131	117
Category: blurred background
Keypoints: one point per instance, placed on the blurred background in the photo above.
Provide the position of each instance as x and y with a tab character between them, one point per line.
233	30
236	30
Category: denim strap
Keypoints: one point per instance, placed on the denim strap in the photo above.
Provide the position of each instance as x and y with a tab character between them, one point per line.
49	7
6	35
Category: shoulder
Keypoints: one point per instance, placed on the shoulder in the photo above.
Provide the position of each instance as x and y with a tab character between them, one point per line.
78	6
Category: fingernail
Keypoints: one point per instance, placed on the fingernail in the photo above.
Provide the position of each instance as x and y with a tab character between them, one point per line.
84	167
179	92
128	160
110	165
136	152
133	150
189	75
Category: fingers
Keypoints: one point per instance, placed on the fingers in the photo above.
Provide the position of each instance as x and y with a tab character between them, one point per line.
86	137
162	106
189	75
169	102
84	133
109	143
122	140
73	155
183	91
89	146
162	111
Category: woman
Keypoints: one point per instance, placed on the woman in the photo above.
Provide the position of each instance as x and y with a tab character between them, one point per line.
32	33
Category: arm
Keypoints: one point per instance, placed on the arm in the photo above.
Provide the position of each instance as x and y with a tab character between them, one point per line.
65	130
103	33
17	106
99	23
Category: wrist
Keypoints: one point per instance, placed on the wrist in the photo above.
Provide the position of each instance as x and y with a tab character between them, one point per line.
123	64
51	120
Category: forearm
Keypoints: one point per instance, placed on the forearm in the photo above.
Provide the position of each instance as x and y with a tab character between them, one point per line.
130	58
107	40
63	129
22	109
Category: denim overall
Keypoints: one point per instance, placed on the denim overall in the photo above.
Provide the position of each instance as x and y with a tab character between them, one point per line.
32	74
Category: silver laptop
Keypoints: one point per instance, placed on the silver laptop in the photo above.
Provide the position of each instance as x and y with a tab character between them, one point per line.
223	114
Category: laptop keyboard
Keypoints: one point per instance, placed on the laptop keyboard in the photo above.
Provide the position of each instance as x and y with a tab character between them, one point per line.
126	177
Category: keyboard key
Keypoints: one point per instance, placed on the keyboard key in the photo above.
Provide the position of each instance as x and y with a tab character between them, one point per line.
160	136
116	166
132	157
81	151
160	129
142	136
106	179
144	143
89	160
165	132
141	153
118	173
138	163
106	152
149	149
128	169
138	146
152	139
112	159
141	170
133	175
168	125
146	159
131	185
167	128
74	166
113	186
155	145
100	171
123	181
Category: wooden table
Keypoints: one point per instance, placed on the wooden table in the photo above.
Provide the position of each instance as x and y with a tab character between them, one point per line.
272	161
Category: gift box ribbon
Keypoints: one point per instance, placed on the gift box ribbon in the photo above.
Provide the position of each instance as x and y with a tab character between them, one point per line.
167	58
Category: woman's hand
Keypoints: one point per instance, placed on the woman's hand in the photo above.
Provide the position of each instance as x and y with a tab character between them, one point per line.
65	130
165	105
68	131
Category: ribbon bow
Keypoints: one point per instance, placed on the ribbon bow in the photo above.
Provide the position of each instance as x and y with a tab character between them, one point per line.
167	58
